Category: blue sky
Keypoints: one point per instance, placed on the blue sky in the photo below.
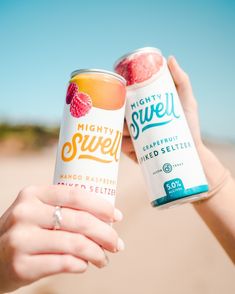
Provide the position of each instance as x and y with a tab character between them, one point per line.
41	42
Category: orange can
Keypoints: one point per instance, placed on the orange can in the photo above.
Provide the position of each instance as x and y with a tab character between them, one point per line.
91	132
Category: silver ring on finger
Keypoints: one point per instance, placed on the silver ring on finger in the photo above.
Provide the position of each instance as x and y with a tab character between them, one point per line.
57	218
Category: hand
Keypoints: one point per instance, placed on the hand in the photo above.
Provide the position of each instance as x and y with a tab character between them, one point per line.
29	247
189	104
216	211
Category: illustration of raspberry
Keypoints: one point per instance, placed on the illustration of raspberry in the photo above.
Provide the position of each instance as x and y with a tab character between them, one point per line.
71	92
80	104
139	67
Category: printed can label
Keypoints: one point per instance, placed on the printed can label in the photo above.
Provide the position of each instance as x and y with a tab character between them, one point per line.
91	134
162	140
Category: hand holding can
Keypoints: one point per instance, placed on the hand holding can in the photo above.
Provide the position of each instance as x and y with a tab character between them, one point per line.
54	229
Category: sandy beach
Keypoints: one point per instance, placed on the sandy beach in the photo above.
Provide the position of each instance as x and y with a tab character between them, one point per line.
168	251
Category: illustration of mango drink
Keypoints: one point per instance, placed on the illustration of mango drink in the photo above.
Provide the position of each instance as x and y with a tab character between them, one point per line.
163	143
91	132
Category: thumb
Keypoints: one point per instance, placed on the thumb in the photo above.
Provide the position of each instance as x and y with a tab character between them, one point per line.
182	83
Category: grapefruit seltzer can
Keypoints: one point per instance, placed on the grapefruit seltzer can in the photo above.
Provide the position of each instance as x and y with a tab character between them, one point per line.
91	132
160	134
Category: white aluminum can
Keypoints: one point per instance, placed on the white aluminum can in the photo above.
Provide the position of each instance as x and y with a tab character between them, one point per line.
91	133
163	143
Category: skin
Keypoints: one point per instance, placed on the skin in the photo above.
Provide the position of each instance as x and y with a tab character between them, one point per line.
27	238
29	247
218	210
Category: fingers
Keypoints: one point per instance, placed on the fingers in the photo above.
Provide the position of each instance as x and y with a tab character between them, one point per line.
83	223
187	99
45	265
128	148
182	84
60	242
126	132
31	251
76	199
41	214
132	156
127	145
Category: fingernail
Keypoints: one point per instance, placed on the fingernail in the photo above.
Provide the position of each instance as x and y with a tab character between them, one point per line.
171	59
80	267
118	216
106	261
175	61
120	245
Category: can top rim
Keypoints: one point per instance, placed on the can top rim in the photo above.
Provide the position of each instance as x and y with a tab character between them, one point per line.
143	49
98	71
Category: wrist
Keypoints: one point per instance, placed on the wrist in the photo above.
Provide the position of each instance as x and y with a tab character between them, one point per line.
214	170
216	173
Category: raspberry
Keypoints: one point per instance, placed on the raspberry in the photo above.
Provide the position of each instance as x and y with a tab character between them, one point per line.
139	67
71	92
80	104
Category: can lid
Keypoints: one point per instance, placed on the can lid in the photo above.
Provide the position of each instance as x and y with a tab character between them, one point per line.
143	49
98	71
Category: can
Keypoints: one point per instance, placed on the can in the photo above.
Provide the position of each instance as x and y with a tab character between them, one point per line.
91	132
160	134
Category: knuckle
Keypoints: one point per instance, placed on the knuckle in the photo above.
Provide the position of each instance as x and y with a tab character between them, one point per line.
75	196
79	197
59	193
19	212
83	220
89	250
26	193
74	244
68	243
16	237
79	245
19	268
67	263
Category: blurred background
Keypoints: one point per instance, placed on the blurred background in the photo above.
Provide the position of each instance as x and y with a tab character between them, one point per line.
42	42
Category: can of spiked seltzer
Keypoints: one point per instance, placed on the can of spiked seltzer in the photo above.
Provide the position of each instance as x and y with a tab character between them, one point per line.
160	134
91	132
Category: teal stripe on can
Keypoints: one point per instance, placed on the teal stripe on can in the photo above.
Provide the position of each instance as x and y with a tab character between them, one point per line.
181	194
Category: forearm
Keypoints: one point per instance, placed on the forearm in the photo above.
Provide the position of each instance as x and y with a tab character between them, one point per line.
218	211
